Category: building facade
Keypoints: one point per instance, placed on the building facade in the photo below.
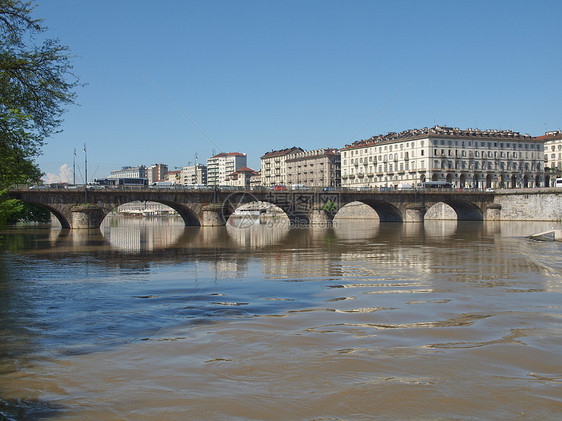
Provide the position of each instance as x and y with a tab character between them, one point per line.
255	180
129	172
273	168
552	156
156	172
174	177
465	158
318	168
240	178
194	174
223	164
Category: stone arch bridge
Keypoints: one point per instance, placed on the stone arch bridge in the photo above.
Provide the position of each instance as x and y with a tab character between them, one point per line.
212	207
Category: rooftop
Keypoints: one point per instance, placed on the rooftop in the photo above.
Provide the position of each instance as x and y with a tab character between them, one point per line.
225	154
282	152
441	131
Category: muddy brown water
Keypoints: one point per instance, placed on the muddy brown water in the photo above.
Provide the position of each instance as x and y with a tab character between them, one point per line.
148	319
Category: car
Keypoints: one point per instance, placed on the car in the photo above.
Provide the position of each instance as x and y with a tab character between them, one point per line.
279	187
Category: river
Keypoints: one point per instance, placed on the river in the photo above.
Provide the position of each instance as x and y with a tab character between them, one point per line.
147	319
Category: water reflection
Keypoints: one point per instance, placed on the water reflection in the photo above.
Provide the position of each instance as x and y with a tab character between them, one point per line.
133	235
257	235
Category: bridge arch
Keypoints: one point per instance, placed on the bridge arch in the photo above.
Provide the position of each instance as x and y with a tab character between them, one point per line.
62	213
460	210
64	222
188	215
386	211
280	211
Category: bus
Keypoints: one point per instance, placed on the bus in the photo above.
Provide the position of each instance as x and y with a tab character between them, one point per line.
435	185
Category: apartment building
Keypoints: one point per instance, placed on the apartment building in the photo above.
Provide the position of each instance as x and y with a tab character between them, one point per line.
156	172
465	158
318	168
255	180
174	177
194	174
273	168
223	164
240	178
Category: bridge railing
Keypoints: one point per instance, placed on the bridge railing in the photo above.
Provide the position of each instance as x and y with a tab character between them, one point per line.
80	187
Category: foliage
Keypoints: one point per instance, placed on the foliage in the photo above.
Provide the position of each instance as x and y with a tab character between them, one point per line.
330	206
36	82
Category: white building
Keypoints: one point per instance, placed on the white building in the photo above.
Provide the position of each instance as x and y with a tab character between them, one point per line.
194	174
129	172
465	158
273	168
223	164
552	155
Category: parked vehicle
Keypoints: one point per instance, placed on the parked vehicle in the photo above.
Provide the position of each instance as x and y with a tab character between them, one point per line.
558	182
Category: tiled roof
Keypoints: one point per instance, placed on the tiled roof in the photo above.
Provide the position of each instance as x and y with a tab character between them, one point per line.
282	152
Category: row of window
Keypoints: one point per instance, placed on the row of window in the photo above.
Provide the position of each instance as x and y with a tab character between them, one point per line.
463	153
443	142
444	165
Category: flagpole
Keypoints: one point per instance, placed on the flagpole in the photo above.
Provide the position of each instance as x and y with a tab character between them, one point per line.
85	176
74	168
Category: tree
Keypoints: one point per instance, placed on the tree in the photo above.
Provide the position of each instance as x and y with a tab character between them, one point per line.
36	82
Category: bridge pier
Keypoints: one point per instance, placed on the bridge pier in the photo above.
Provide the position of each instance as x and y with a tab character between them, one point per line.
493	212
320	217
87	217
414	212
212	216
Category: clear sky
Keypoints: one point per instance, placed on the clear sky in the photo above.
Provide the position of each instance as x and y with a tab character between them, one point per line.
170	79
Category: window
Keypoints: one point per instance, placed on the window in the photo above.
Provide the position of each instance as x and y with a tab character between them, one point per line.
422	153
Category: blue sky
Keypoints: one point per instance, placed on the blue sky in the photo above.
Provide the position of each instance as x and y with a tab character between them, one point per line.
171	79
